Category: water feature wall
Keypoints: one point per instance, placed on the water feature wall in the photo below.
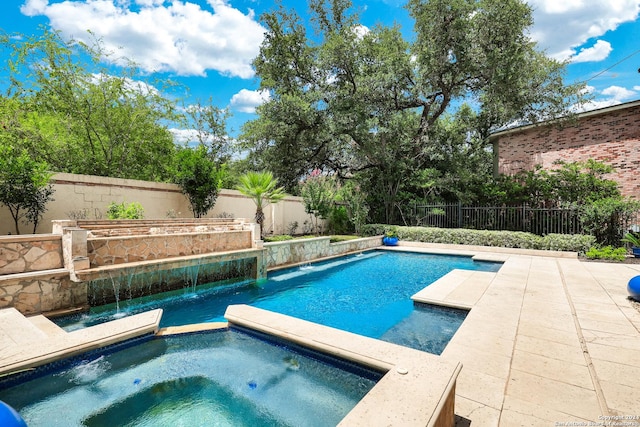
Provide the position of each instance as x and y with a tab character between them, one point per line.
134	258
97	262
56	272
114	285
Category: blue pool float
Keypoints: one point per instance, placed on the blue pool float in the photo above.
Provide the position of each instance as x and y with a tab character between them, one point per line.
634	288
9	417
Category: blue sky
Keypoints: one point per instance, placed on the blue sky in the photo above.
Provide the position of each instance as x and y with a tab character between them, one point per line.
208	45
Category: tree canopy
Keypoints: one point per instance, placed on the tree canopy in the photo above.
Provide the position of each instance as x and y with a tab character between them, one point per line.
365	102
80	117
24	186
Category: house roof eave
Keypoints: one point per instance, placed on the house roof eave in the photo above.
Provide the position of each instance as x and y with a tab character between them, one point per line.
584	114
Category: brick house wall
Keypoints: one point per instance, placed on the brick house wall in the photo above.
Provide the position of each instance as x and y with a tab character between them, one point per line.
610	135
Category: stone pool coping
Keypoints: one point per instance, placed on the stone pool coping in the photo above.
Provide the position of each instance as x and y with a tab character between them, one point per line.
418	388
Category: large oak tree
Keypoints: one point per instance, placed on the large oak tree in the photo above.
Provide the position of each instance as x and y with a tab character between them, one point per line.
363	101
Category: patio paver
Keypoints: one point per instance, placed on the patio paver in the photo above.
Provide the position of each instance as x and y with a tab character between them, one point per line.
558	337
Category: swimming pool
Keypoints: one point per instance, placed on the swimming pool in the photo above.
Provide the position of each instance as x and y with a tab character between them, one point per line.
369	294
230	377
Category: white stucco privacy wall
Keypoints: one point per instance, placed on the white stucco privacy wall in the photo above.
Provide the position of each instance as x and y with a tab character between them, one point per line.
94	193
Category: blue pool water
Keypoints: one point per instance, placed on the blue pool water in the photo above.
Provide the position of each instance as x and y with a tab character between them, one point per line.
369	294
224	378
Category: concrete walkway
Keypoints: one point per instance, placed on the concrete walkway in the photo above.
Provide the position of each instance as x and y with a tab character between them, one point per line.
548	341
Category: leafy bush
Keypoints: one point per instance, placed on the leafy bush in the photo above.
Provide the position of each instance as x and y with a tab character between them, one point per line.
505	239
607	252
632	238
122	210
278	238
318	193
338	221
198	177
24	186
606	219
574	184
342	238
567	242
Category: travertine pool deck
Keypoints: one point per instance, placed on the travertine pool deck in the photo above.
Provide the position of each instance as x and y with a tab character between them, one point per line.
549	341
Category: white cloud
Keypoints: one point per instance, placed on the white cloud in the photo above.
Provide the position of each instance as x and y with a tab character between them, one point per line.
189	137
246	101
177	36
613	95
183	136
597	52
618	93
561	26
360	31
596	105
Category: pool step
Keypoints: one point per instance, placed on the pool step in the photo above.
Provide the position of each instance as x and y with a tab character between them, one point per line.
46	326
29	342
15	329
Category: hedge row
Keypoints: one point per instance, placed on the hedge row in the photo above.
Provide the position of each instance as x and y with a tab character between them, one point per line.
506	239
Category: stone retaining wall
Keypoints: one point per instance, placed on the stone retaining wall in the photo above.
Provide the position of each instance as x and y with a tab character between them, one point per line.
124	249
306	250
44	273
33	252
41	292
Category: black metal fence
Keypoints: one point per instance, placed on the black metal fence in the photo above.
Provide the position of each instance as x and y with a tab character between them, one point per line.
513	218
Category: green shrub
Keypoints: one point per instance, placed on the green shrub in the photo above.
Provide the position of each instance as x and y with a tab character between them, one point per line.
505	239
607	252
122	210
342	238
606	218
568	242
278	238
373	229
338	221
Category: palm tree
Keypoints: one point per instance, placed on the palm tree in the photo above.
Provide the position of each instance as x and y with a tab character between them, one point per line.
261	188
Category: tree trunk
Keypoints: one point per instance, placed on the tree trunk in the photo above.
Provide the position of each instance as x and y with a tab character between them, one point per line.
260	220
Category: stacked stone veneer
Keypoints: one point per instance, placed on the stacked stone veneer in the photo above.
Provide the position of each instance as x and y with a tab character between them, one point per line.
611	135
43	292
32	277
305	250
20	254
125	249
